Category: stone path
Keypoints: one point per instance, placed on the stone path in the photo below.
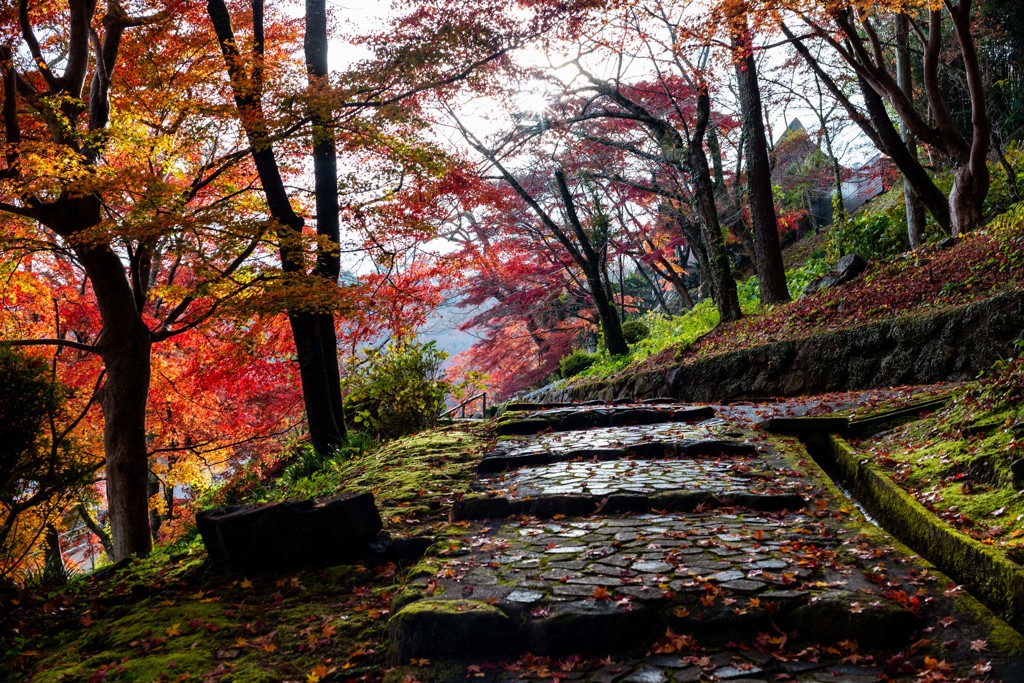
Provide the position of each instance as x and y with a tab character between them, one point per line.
675	551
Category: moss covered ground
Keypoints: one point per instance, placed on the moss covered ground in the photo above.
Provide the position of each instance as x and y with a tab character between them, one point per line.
965	462
171	617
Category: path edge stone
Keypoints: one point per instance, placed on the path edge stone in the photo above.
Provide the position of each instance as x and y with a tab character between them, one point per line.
996	581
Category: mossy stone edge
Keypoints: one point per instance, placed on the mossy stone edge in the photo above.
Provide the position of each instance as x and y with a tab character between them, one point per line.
995	580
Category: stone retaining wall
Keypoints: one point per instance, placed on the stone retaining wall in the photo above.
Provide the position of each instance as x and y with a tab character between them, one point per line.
953	345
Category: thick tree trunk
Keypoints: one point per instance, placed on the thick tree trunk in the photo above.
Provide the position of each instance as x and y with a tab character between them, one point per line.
124	346
967	197
718	272
126	356
767	250
125	349
324	432
971	180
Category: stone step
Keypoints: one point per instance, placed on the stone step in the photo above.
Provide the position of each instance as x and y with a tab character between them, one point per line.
664	440
583	488
575	417
607	584
704	540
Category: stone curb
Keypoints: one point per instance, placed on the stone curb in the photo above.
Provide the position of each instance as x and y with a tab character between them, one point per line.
995	580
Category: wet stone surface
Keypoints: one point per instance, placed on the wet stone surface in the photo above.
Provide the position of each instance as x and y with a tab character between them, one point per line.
630	561
675	552
636	476
672	439
577	417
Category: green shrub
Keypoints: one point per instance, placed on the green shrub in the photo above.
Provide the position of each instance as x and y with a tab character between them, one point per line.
575	363
634	330
871	234
998	199
396	390
38	478
305	461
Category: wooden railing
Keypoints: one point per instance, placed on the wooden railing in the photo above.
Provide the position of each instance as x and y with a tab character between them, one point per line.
468	401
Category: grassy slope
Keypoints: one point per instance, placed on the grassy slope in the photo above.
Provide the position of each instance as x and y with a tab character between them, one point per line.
979	265
173	618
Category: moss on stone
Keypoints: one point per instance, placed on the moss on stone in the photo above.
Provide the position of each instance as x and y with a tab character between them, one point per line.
990	575
447	607
1000	635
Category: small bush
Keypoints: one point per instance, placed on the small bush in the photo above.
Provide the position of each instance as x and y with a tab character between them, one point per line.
305	461
634	330
39	478
575	363
872	235
395	391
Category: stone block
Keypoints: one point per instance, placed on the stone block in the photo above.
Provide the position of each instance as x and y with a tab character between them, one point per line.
303	533
454	629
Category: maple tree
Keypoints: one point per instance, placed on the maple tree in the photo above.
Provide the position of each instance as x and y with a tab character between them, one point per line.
135	199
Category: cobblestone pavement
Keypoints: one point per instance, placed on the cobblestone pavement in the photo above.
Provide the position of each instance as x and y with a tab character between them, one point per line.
646	558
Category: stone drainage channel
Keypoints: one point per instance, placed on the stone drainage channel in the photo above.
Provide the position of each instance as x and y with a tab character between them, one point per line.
652	543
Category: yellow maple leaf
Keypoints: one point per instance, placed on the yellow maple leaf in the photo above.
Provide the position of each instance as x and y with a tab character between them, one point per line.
317	674
174	630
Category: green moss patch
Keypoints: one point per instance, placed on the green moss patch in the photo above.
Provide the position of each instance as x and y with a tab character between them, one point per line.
414	480
173	618
965	463
996	580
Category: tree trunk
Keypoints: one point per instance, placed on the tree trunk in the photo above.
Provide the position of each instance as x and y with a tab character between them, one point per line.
126	356
589	260
971	180
322	401
767	250
324	431
611	328
125	350
967	197
55	573
325	177
905	78
124	347
154	514
718	273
